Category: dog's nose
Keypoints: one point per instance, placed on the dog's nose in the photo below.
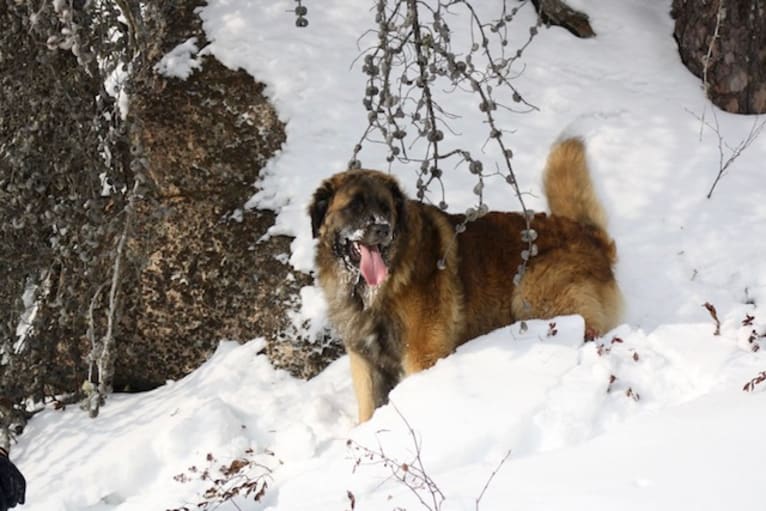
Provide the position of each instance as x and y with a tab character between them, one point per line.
380	231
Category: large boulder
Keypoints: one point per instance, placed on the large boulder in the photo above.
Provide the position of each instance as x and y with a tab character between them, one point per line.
202	267
196	266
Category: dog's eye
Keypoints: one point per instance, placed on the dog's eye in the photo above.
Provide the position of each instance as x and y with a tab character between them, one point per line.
356	205
385	209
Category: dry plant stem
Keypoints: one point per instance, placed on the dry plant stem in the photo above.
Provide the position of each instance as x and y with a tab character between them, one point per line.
487	100
491	477
420	54
755	130
422	64
757	380
135	24
106	360
736	151
492	60
106	356
228	482
412	475
708	57
713	314
91	333
373	122
759	124
437	497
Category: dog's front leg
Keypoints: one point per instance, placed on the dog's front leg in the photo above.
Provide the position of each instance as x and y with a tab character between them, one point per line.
371	384
361	375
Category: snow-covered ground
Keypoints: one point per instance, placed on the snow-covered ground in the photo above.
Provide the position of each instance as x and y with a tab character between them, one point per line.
651	416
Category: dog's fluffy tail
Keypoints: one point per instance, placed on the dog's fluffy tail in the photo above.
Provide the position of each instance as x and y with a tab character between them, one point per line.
568	186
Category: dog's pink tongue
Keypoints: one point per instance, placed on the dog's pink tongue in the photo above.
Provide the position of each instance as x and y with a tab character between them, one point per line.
372	266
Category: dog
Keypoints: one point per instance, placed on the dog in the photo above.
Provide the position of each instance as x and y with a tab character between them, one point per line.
403	289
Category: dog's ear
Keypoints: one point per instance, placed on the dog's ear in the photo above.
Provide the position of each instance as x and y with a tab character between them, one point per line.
319	204
399	200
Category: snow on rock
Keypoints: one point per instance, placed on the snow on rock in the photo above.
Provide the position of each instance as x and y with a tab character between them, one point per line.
181	61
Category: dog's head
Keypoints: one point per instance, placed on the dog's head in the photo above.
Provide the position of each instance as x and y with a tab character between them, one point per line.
358	215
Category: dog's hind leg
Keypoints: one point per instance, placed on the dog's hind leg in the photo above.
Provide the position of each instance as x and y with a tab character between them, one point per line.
545	292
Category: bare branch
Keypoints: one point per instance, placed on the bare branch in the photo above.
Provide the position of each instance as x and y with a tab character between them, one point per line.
412	474
404	104
708	58
491	477
725	161
736	151
103	353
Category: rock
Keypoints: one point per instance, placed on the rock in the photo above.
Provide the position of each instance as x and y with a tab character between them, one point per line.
736	73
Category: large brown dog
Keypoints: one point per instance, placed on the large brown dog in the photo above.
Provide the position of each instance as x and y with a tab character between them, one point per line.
403	291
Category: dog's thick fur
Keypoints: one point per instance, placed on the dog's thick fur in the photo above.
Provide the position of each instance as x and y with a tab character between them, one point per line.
403	291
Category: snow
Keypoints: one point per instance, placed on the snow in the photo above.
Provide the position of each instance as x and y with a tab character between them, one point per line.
181	61
27	317
651	416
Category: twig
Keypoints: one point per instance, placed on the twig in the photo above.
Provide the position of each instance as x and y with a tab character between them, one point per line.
91	332
412	475
414	53
437	497
242	477
713	314
706	62
491	477
136	30
106	356
736	151
758	379
755	130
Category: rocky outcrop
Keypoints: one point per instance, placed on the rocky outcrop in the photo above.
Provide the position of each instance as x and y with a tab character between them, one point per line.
736	72
202	267
195	267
